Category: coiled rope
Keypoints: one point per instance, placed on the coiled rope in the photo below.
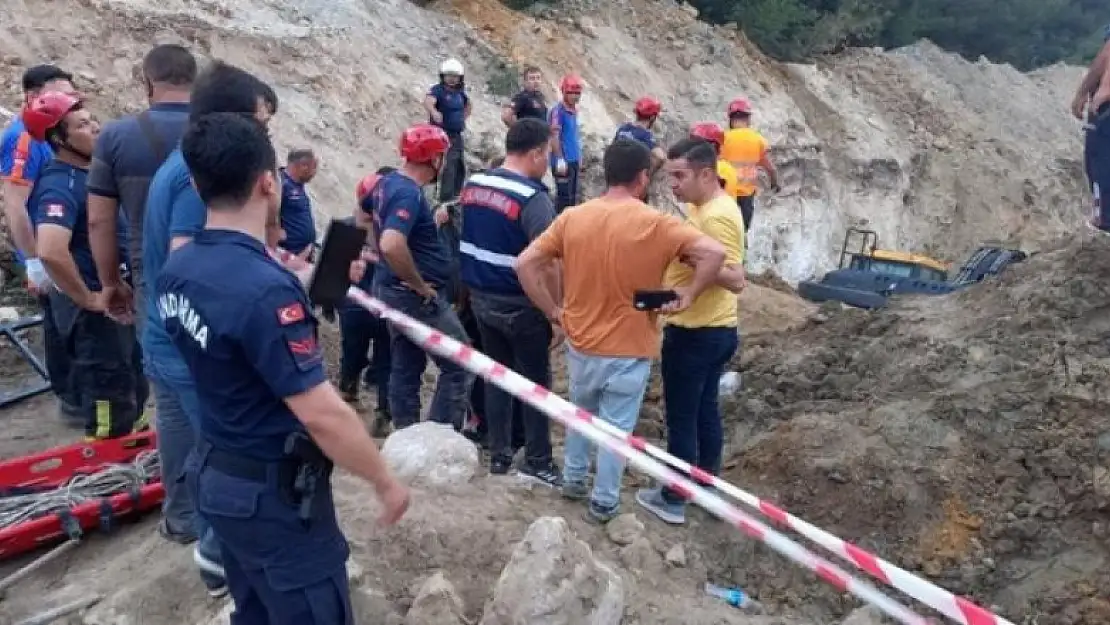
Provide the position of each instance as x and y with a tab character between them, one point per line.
110	480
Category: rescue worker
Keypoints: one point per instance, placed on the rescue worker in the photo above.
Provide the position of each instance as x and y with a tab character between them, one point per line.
698	342
175	214
1092	103
128	153
713	133
502	211
106	368
566	142
414	277
746	149
448	107
21	160
359	329
647	111
273	425
296	206
609	248
529	102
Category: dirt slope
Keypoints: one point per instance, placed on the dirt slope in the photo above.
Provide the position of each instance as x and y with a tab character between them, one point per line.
934	152
968	435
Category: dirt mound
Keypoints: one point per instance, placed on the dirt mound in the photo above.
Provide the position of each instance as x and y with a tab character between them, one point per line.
967	436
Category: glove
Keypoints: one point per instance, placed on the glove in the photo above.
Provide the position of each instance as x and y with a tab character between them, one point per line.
36	274
560	167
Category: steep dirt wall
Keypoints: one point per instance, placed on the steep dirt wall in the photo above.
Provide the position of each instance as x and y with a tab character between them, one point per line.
935	153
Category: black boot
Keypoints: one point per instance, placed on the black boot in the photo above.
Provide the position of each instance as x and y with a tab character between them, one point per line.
348	389
382	423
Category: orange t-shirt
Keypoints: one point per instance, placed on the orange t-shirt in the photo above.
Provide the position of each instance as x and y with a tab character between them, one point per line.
745	148
609	249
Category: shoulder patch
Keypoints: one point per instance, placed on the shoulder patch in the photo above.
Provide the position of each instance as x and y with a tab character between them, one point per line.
403	214
290	314
56	211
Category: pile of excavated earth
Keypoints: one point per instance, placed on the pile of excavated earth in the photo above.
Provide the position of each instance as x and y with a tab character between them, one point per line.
964	437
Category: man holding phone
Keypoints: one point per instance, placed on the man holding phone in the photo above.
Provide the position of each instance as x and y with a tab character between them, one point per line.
610	343
699	341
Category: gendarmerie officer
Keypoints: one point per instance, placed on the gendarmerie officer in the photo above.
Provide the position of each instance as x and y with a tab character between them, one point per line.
272	425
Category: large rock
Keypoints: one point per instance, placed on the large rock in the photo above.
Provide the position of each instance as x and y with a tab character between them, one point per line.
554	579
431	455
437	603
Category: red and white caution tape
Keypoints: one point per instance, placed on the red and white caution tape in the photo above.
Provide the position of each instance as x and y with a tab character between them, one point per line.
586	424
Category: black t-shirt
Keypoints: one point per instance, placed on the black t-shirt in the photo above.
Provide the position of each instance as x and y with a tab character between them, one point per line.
530	104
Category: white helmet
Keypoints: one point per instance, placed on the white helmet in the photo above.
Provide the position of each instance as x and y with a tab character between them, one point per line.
451	66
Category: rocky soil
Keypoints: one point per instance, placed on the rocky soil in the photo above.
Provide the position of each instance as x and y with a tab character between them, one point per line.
963	437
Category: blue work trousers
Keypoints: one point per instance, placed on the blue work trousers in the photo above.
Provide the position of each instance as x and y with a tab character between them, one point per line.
1097	161
280	570
613	389
566	188
693	361
359	329
409	360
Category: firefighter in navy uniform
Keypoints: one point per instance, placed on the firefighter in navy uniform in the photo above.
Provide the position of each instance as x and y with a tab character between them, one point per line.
106	375
272	424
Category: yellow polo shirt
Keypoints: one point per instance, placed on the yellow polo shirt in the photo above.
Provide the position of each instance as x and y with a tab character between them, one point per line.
726	172
716	307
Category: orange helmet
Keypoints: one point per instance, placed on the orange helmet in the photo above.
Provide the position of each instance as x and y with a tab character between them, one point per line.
739	106
47	111
571	84
423	143
709	131
366	185
648	107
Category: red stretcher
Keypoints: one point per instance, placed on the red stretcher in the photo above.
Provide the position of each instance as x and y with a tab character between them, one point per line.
52	468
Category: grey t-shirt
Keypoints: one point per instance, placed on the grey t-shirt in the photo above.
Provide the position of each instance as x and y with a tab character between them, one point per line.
124	162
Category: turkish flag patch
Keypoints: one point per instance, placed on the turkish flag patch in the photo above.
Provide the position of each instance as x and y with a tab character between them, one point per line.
403	214
290	314
55	210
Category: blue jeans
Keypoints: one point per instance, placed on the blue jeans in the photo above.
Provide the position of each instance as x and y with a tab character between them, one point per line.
409	361
177	421
358	329
693	361
613	389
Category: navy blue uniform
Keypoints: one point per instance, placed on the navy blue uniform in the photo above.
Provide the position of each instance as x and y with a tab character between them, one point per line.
106	373
245	328
398	204
530	105
451	102
502	213
636	133
296	215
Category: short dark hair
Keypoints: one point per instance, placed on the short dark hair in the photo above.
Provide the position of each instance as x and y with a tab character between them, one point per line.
624	160
269	96
299	154
226	153
58	135
224	88
526	135
36	77
170	64
385	171
531	69
496	162
696	151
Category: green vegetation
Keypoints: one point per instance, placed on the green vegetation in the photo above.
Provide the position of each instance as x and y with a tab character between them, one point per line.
1025	33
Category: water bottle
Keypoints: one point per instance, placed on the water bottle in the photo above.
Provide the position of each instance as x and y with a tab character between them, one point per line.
732	596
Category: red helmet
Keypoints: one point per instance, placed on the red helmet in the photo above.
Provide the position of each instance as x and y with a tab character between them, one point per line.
47	111
709	131
648	107
739	106
571	84
423	143
366	185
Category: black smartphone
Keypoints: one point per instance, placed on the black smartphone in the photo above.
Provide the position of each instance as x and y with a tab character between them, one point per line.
653	300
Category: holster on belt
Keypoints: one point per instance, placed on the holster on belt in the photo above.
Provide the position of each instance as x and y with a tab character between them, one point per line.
304	473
